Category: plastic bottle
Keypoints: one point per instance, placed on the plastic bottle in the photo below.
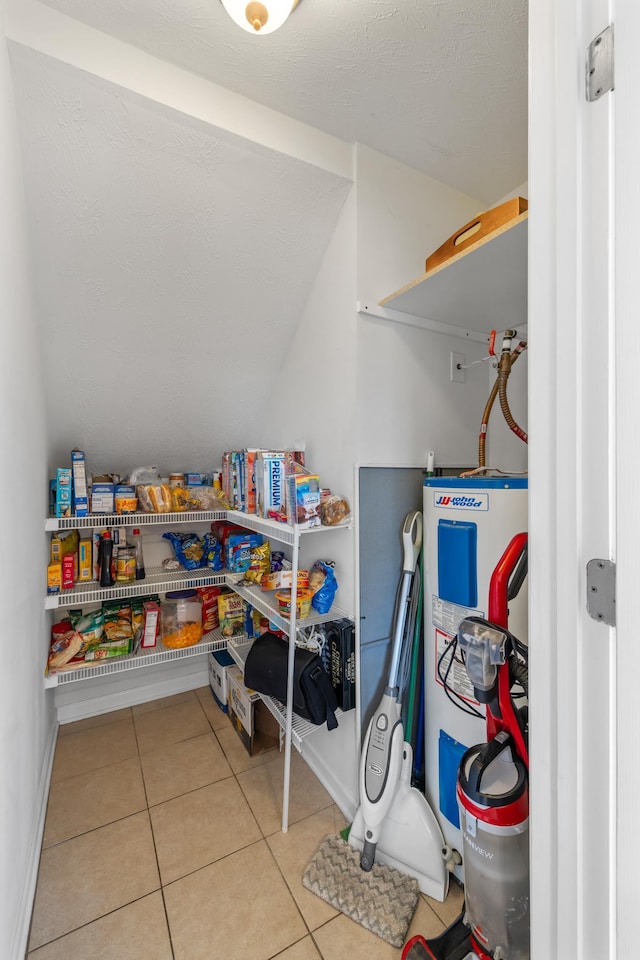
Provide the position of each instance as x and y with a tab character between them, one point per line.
105	557
137	542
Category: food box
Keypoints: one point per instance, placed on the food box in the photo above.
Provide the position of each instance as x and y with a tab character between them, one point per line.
54	578
254	724
151	626
193	479
219	663
68	571
270	482
80	498
63	492
210	614
303	500
249	479
283	580
85	561
102	498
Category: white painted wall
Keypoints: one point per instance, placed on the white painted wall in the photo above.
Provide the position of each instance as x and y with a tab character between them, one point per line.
504	449
172	262
27	727
313	396
406	401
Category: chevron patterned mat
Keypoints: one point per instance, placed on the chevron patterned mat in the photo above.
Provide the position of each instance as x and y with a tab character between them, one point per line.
383	900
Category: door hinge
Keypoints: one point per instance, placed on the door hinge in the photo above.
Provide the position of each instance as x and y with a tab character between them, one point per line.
601	591
599	68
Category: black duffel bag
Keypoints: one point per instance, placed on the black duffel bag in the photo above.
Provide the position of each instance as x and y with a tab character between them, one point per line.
265	671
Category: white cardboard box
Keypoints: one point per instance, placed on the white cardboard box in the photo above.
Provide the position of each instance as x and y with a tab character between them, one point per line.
255	725
219	663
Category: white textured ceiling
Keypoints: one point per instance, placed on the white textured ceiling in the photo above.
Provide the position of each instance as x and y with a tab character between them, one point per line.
440	85
172	262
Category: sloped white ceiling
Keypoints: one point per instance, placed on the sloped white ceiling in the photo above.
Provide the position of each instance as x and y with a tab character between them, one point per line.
172	262
440	85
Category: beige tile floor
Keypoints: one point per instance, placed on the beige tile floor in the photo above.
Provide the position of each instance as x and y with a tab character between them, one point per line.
162	842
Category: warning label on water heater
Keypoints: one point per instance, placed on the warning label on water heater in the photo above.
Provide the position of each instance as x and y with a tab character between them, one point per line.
447	615
449	667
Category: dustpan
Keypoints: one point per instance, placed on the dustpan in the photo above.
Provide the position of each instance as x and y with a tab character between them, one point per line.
411	839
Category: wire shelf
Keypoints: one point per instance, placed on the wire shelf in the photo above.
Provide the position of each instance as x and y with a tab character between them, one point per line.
300	729
157	580
283	532
265	601
103	520
143	658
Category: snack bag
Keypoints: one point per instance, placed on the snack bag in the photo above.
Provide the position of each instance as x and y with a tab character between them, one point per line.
188	548
231	613
91	628
259	562
212	552
323	583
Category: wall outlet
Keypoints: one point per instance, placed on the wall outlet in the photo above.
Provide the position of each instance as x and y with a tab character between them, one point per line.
456	375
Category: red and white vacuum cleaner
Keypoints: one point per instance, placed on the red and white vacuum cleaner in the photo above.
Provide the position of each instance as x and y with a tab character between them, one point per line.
492	789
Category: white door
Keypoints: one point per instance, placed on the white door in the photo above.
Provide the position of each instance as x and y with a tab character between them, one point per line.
584	194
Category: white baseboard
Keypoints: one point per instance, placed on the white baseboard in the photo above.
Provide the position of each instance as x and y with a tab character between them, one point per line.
23	917
106	697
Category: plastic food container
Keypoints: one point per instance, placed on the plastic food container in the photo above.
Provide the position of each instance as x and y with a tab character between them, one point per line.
126	565
303	603
181	619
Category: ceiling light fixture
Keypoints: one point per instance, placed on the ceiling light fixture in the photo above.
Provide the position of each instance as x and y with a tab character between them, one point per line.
257	17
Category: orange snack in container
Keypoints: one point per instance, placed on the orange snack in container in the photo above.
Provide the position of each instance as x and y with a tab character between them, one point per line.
181	616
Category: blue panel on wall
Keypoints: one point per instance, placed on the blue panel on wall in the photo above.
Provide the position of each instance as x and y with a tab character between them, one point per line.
457	562
450	754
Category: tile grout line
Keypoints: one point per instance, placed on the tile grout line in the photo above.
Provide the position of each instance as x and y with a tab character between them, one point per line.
155	849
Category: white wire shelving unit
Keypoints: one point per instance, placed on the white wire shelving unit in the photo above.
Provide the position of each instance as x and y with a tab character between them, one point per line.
143	658
238	648
103	520
159	581
156	580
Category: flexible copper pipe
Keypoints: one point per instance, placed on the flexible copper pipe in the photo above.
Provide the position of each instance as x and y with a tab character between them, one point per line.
503	375
507	364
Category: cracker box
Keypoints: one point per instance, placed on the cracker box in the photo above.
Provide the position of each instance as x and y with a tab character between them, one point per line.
270	482
254	724
303	500
80	496
219	663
